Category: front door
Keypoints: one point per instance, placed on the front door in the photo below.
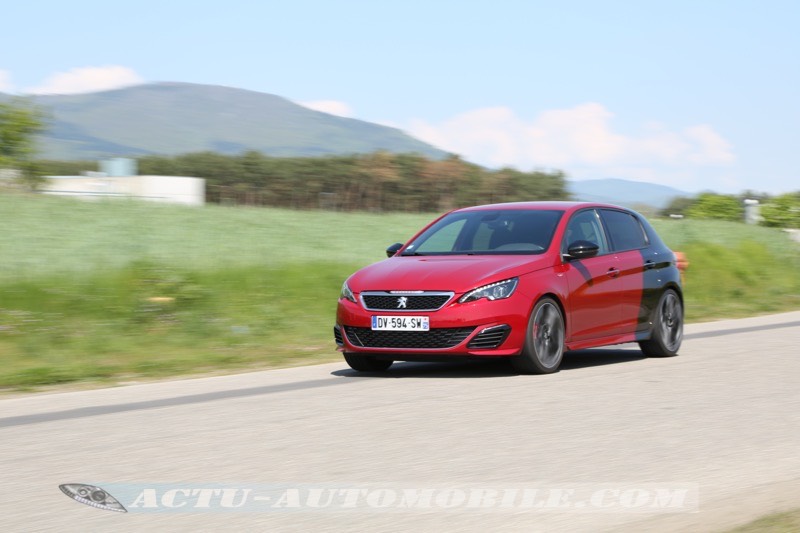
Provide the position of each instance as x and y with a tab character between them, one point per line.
595	286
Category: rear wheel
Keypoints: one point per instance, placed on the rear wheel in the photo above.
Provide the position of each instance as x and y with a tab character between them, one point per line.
544	340
667	327
367	363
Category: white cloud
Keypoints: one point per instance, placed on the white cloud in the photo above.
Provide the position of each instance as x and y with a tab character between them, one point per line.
714	150
87	80
5	82
580	141
332	107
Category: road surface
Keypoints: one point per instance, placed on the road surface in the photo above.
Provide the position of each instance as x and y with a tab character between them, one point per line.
718	426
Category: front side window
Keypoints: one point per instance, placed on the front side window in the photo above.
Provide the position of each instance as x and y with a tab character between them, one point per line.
625	230
500	231
585	226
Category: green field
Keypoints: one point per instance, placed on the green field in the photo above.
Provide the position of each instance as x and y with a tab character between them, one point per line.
118	290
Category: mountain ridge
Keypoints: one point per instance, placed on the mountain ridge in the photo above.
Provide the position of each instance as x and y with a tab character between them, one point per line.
170	118
628	193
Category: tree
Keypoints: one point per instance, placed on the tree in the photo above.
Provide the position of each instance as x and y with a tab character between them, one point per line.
20	121
381	181
678	206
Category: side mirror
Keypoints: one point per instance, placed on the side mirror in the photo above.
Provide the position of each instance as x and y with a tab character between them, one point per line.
390	251
582	250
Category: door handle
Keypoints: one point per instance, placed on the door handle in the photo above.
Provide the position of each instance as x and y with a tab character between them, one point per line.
613	272
649	264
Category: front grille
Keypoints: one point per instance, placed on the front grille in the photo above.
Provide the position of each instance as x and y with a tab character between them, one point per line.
489	338
435	338
337	336
385	301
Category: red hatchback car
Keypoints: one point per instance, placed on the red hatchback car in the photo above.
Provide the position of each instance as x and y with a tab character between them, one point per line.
525	281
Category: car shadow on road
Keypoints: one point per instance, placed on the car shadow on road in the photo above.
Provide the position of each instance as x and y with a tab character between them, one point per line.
493	368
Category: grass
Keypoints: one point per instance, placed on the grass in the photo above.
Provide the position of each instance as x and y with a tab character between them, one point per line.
238	288
45	235
149	320
735	270
107	291
788	522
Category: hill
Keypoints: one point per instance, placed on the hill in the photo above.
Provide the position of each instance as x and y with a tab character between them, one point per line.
624	192
174	118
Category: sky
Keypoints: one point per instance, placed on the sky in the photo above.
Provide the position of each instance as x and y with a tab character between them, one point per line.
698	95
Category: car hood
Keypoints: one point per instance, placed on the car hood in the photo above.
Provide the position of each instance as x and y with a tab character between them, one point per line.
443	273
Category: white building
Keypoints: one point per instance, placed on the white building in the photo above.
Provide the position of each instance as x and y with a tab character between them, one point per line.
170	189
119	179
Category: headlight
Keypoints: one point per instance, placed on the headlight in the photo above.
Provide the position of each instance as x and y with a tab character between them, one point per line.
347	294
495	291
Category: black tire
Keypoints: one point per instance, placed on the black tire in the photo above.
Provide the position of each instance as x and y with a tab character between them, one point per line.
367	363
544	340
667	335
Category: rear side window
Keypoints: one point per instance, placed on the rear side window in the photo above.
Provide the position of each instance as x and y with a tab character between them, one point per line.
624	229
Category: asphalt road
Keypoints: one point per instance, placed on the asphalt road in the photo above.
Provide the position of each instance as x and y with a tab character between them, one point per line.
717	427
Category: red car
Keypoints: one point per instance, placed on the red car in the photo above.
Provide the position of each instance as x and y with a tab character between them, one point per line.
524	281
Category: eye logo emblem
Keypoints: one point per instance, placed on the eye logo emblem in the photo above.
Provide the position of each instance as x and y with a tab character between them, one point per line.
92	496
401	302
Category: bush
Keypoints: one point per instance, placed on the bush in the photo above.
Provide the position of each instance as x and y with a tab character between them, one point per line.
716	206
782	211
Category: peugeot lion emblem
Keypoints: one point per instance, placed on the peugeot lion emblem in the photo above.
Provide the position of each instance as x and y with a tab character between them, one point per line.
401	302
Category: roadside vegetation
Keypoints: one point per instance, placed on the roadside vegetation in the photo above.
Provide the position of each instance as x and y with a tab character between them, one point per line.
781	211
119	290
379	181
735	270
788	522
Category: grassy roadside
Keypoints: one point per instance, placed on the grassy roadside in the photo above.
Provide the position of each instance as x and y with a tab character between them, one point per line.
111	291
735	270
148	320
788	522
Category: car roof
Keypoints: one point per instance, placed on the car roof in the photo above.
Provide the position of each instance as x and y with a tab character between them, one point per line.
540	206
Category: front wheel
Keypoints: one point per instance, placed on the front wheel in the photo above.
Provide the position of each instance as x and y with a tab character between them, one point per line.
367	363
544	340
667	334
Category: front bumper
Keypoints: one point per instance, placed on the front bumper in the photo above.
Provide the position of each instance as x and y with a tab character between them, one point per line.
481	329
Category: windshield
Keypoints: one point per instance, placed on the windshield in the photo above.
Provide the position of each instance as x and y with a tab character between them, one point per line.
500	231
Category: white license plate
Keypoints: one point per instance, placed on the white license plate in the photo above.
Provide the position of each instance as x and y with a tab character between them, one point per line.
401	323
